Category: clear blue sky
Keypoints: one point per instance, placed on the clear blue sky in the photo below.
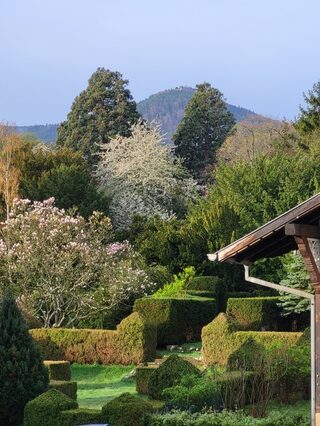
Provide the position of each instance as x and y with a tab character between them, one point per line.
261	54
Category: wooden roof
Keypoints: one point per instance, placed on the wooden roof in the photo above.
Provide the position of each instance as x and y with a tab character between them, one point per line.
270	239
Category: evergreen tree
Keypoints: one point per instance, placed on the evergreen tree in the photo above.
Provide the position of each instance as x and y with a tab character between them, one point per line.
309	119
22	373
105	109
203	129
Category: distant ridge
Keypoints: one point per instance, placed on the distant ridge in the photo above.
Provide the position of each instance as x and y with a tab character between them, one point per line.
166	107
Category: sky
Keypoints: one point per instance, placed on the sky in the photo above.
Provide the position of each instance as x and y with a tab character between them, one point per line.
262	55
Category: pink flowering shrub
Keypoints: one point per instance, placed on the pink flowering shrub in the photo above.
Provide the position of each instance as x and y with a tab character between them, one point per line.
63	268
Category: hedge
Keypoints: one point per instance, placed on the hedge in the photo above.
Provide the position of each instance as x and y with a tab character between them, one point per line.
46	408
168	374
126	410
214	286
221	338
253	313
66	387
142	379
177	320
80	416
133	342
58	370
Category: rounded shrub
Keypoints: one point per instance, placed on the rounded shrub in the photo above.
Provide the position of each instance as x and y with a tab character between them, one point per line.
46	408
126	410
169	374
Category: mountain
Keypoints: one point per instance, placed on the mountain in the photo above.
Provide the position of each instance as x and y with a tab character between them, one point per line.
166	107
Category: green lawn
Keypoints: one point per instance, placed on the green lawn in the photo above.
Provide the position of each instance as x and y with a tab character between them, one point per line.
97	384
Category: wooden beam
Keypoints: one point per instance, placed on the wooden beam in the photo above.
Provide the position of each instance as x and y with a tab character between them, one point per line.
302	230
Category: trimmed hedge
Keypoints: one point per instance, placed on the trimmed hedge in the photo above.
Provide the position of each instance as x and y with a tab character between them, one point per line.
221	338
58	370
126	410
133	342
252	313
168	374
45	409
80	416
177	320
142	379
213	285
66	387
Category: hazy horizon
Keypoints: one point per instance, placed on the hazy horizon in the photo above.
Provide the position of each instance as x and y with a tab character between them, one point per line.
262	56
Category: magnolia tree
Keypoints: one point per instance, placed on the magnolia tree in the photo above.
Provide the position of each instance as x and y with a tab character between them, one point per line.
142	176
63	268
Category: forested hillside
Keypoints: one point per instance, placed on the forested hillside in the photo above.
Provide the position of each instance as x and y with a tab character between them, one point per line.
166	107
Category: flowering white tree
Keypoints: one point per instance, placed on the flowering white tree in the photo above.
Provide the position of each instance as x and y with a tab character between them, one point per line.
142	176
62	267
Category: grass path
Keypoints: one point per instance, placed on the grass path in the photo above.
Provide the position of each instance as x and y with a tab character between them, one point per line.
97	384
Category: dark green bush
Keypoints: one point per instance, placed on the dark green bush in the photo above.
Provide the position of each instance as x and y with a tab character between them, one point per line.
22	373
58	370
142	379
177	320
79	416
221	338
126	410
45	409
169	374
243	358
212	284
193	393
66	387
253	313
236	388
133	342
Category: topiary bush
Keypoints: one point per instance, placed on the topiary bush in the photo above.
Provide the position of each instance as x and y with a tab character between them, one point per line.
22	373
58	370
126	410
243	358
212	285
221	338
253	313
79	416
66	387
177	320
142	379
46	408
193	393
168	374
133	342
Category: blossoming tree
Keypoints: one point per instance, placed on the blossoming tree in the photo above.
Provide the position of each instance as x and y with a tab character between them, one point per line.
63	268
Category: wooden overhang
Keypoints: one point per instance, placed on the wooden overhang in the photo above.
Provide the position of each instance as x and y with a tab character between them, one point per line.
270	240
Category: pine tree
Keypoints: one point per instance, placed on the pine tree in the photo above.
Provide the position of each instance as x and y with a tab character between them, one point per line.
309	119
105	109
203	129
22	373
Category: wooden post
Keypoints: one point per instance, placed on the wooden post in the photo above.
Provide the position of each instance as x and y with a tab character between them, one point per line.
309	249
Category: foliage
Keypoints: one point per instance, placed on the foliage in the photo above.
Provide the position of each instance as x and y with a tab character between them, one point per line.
209	286
169	373
78	275
133	342
79	416
66	387
284	417
22	373
253	313
296	276
309	118
141	176
204	127
126	410
58	370
177	288
221	338
46	408
102	111
142	379
177	320
193	393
